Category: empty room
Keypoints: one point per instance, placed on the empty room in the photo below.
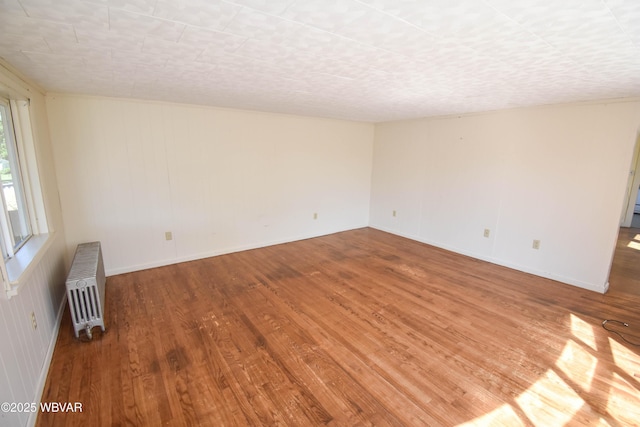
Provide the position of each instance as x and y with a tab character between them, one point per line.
306	212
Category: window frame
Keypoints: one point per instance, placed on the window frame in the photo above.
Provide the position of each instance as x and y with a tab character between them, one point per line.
7	231
16	270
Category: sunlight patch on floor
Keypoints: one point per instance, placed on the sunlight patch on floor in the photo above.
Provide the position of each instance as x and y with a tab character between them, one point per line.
502	416
540	402
577	364
634	245
551	401
623	400
625	359
583	331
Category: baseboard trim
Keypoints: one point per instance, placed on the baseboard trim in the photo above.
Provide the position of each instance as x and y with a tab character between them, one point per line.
44	373
227	250
525	269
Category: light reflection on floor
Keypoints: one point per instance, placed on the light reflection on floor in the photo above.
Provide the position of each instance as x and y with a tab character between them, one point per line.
577	364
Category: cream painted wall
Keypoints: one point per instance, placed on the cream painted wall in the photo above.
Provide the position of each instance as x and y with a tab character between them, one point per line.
557	174
25	353
221	180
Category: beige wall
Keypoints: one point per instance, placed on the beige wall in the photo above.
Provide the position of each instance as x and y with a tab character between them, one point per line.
557	174
220	180
225	180
24	352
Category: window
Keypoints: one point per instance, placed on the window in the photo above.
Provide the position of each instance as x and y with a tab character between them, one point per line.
24	232
15	227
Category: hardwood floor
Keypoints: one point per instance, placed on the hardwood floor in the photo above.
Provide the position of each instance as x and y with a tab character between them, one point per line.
355	328
625	271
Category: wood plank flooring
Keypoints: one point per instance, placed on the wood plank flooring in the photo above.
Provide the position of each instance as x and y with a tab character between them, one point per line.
625	272
355	328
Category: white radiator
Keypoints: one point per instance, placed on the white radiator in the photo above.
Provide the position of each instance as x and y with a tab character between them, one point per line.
85	288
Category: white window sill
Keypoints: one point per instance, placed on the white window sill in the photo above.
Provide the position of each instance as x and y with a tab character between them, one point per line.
19	267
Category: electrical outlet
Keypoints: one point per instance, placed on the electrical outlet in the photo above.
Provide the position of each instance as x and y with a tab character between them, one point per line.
168	235
394	213
34	322
315	215
487	232
536	244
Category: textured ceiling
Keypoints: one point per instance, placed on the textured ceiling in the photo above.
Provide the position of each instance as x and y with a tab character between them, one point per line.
371	60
